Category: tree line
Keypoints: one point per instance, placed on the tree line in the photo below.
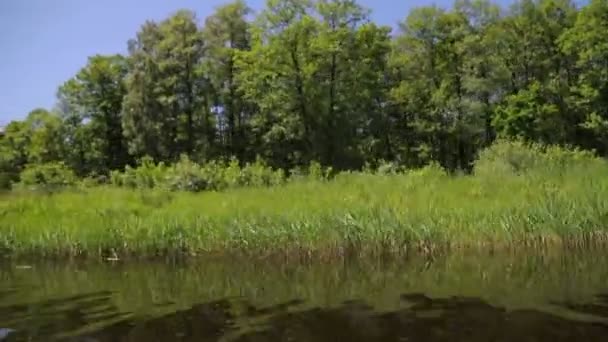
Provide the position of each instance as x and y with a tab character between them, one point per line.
318	80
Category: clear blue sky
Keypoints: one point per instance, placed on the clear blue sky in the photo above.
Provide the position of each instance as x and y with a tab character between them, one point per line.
45	42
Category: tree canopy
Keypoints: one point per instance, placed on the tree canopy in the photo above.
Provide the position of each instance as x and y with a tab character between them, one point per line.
318	80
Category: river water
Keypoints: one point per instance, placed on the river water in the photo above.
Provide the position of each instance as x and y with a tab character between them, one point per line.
548	296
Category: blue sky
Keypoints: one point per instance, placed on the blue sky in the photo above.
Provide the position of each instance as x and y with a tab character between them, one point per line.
45	42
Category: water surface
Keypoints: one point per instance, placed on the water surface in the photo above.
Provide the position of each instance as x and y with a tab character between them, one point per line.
558	296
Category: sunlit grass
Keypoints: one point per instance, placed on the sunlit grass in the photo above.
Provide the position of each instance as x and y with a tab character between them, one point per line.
357	213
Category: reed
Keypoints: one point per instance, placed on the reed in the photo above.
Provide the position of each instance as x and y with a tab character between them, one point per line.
518	196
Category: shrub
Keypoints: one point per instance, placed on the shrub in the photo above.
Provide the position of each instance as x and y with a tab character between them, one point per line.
186	175
5	181
317	172
388	168
518	157
146	175
234	176
48	176
94	180
260	174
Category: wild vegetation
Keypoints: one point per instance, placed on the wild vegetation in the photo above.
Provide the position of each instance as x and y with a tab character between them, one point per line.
517	196
304	81
307	128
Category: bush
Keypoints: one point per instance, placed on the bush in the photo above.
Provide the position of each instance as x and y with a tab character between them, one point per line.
93	180
186	175
518	157
47	176
146	175
388	168
260	174
317	172
5	181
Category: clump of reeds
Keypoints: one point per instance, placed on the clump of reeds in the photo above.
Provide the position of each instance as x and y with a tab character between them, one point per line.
518	195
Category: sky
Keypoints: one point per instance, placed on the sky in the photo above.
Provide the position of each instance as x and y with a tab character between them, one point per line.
43	43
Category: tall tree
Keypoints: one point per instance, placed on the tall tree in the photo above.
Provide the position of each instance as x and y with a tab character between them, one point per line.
484	76
316	80
37	139
277	74
336	57
167	110
226	32
93	103
45	136
588	43
14	143
431	89
536	105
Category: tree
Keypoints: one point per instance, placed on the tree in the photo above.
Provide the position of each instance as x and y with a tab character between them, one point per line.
45	137
430	91
587	42
14	144
225	33
317	81
93	102
541	74
338	79
366	94
277	75
484	76
167	110
37	139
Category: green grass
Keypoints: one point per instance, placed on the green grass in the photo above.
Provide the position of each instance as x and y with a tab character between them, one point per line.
519	196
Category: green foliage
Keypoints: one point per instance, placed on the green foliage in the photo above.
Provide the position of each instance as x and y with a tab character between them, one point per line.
424	209
527	115
47	176
37	139
167	110
186	175
259	174
5	181
91	106
146	175
517	157
217	103
317	172
189	176
45	138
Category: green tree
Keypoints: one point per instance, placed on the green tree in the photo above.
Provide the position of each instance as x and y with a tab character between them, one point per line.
587	42
37	139
226	32
14	144
277	75
316	81
45	137
94	98
167	110
541	74
431	90
484	76
339	72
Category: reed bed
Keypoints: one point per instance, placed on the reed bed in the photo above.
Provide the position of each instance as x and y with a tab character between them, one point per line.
518	196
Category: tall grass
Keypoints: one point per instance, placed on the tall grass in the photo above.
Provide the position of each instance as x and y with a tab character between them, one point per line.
518	195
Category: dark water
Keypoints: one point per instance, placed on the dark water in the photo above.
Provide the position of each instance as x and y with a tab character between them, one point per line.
516	297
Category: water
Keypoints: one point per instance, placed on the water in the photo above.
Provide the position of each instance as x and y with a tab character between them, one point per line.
516	297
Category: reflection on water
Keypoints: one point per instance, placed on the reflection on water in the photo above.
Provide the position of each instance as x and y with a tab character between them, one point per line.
459	298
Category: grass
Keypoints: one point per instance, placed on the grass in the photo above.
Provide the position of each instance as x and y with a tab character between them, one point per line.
518	196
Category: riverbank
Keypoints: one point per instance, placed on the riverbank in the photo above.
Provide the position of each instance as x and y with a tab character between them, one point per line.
516	197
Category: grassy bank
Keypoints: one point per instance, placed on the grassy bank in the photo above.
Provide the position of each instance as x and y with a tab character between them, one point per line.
517	196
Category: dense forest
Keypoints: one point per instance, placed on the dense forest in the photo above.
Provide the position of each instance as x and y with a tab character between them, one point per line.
304	80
